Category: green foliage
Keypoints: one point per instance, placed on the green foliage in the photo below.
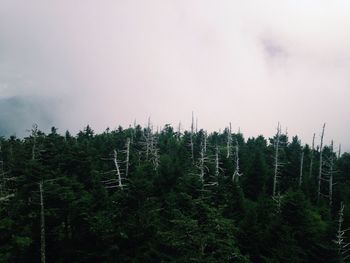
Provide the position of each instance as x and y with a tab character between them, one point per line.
165	213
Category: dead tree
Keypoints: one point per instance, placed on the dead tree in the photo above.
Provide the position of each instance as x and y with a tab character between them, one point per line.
179	131
203	168
156	159
131	134
229	141
320	165
37	149
301	168
35	152
115	160
148	137
217	162
127	157
191	138
3	190
114	182
278	200
152	142
154	151
328	173
42	223
149	142
212	179
339	151
41	184
331	189
236	173
277	163
341	240
202	165
331	172
34	132
312	155
5	193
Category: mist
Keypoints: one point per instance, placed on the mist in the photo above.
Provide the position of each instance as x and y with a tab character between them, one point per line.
18	114
69	64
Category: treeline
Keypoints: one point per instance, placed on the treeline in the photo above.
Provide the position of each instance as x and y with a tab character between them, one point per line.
138	195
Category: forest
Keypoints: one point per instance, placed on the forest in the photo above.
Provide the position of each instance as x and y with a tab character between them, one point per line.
141	194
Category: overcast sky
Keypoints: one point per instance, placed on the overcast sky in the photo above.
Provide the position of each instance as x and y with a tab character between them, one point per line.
253	63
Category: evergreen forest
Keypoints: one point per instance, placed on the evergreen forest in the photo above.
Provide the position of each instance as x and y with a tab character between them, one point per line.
142	195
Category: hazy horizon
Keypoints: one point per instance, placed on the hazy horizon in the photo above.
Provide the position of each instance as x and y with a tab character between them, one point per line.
68	64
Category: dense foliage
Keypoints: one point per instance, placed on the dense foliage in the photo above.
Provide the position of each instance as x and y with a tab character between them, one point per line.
171	206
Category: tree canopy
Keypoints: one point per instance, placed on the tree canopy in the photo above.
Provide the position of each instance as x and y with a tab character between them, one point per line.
138	195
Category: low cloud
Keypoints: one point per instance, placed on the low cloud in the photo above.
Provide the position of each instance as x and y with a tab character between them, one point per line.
252	63
18	114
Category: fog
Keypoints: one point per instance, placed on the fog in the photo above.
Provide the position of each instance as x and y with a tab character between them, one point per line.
106	63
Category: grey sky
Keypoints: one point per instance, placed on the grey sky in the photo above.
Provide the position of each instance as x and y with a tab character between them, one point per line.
105	63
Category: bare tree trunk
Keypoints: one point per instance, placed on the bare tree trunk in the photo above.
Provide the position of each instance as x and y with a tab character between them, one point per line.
191	137
312	155
339	151
117	169
156	159
342	246
340	230
127	157
151	144
5	194
276	168
34	134
236	173
320	166
42	224
331	171
132	131
278	199
229	139
217	168
202	164
179	132
148	137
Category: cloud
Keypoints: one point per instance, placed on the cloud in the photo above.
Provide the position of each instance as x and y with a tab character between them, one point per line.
249	62
17	114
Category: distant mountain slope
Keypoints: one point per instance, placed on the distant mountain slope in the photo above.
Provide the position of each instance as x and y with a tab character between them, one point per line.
19	113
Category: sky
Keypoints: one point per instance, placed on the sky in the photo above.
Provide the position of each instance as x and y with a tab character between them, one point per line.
106	63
